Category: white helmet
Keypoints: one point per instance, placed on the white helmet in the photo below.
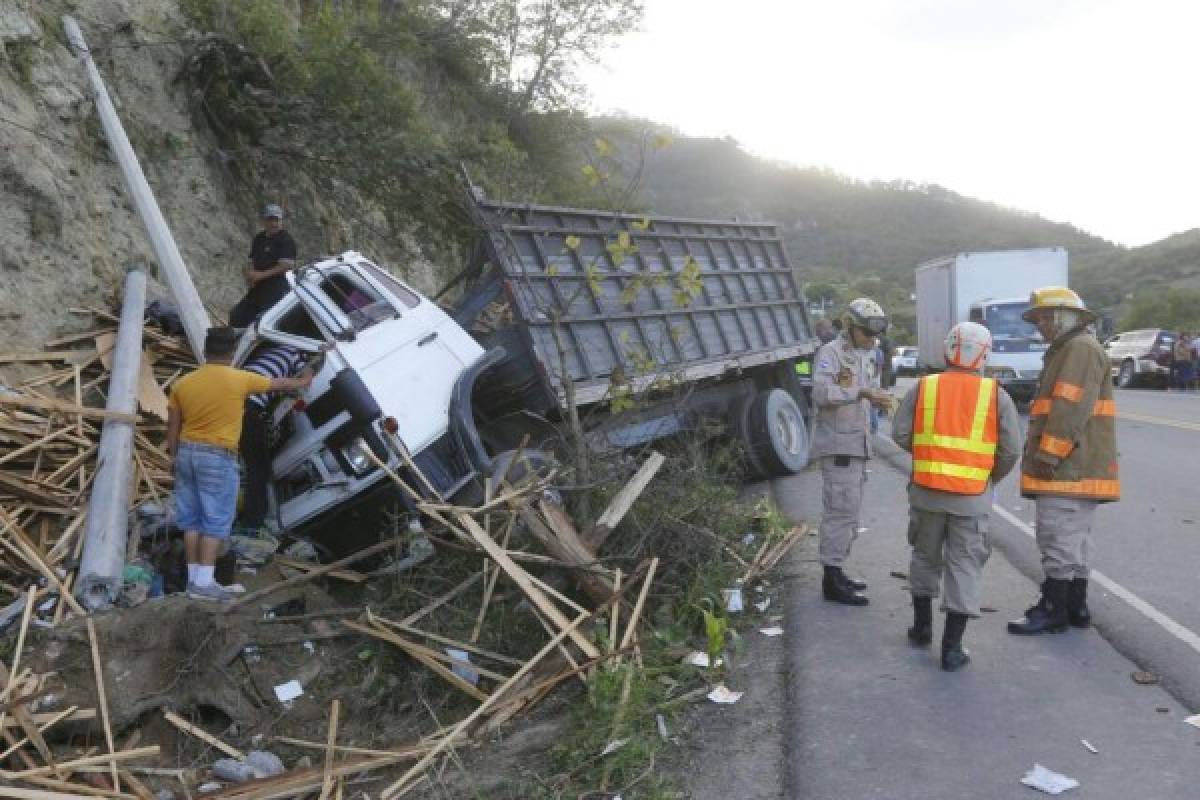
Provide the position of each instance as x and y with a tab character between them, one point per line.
968	345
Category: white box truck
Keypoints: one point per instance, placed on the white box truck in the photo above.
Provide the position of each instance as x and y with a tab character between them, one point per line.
991	288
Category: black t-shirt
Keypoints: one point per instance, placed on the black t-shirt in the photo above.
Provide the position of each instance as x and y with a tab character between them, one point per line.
265	251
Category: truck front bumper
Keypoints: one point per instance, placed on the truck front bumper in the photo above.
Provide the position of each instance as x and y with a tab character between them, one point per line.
1021	390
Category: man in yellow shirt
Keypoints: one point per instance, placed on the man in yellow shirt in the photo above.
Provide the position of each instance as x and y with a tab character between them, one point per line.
204	424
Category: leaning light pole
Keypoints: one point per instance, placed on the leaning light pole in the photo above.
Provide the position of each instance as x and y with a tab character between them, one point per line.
171	267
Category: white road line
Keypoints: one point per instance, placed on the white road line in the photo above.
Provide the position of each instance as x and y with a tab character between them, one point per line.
1169	625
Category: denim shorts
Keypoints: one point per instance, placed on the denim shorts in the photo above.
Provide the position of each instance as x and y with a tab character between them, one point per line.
206	489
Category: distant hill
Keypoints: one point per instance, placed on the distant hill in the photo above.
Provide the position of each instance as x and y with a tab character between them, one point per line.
836	226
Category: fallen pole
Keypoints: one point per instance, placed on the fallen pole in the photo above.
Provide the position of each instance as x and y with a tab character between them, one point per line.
106	533
170	262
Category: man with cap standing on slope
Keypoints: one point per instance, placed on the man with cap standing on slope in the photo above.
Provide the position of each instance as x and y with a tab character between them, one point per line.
845	386
1070	462
964	435
272	254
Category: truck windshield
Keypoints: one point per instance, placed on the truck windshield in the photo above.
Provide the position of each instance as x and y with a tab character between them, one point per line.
1004	321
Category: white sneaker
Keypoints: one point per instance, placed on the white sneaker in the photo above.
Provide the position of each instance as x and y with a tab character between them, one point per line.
214	591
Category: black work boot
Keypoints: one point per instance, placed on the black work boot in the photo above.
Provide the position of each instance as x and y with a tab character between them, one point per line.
853	583
1050	613
954	657
921	632
1077	610
835	589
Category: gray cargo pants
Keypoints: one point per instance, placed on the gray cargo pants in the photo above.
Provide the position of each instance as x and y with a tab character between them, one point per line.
841	498
1064	535
951	550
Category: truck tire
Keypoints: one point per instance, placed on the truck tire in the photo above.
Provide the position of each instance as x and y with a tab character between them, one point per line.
739	428
776	434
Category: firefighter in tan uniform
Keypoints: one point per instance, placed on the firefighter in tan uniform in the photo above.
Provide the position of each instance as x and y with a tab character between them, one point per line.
845	386
964	435
1070	462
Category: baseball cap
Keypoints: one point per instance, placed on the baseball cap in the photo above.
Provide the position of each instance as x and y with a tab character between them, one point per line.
272	210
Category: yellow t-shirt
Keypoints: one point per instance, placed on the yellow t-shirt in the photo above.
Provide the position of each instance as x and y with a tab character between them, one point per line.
210	400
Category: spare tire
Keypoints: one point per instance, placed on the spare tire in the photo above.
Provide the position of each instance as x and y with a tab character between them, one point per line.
776	434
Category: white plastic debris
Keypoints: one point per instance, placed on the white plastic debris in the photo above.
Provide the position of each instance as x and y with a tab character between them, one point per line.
748	539
724	695
696	659
733	600
1089	746
662	727
309	647
763	605
48	604
774	630
1193	720
287	692
1048	781
863	529
466	673
258	764
613	746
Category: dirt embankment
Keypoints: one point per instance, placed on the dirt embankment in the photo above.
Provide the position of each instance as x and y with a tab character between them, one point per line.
67	229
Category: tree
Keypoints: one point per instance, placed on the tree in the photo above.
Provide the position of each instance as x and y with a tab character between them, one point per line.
538	44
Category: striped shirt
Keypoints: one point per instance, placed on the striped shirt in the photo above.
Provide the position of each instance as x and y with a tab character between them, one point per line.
277	362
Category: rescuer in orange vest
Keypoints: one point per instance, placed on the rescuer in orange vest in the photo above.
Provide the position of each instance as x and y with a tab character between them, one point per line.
1070	462
964	435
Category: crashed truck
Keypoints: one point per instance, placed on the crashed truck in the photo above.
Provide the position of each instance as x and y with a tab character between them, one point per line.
544	312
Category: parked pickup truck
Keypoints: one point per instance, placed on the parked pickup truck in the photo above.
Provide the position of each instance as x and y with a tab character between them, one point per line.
544	311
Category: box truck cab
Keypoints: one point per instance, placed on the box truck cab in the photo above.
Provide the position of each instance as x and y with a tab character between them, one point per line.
991	288
1017	347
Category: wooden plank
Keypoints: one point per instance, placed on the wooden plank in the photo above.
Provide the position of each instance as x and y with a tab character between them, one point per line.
420	655
304	566
330	741
402	783
101	758
310	576
204	736
151	397
564	544
60	407
62	356
98	667
623	501
523	580
631	628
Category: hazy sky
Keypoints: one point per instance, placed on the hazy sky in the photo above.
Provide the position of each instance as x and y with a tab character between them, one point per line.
1085	111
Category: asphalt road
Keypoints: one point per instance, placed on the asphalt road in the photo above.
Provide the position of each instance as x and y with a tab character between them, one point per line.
1148	544
873	717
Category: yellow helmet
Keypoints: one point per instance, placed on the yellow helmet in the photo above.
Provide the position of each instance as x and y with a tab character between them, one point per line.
1056	298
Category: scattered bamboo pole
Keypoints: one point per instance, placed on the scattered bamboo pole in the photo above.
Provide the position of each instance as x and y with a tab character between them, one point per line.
203	735
102	699
330	743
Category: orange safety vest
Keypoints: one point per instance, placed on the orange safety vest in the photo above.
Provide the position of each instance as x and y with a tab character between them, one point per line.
955	431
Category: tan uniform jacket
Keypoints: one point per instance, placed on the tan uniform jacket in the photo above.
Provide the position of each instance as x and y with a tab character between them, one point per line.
1072	423
843	426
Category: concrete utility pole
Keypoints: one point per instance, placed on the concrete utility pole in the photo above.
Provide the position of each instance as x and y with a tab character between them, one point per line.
170	262
106	532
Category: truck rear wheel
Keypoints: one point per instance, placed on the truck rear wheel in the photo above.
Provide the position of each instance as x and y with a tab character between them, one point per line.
774	434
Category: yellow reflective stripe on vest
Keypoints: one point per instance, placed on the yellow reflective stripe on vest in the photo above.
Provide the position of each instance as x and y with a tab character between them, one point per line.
954	443
929	407
953	470
987	390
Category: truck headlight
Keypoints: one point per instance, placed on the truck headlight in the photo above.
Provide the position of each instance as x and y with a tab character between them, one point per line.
355	454
1000	373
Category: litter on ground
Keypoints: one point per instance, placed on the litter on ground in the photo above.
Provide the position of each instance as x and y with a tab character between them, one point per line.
1048	781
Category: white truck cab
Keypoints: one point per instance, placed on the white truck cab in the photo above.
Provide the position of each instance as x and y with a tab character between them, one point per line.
392	360
1017	347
